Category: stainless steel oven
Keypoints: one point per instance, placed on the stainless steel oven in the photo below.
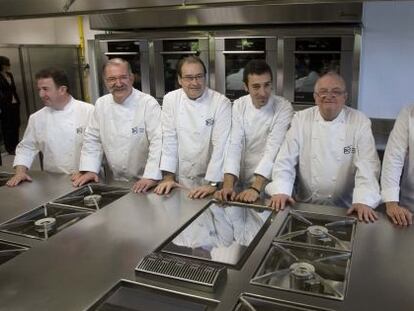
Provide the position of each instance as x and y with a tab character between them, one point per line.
307	58
135	51
232	55
167	53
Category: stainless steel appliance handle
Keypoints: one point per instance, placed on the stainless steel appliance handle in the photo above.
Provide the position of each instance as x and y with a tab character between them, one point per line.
179	52
243	52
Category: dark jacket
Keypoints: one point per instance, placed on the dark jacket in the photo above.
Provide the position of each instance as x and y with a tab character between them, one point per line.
7	91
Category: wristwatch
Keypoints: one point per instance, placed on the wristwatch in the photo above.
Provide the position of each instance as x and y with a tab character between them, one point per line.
213	184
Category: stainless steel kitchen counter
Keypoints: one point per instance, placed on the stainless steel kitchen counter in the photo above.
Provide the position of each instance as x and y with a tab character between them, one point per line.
75	267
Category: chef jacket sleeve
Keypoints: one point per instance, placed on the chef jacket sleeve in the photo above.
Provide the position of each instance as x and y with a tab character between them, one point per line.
284	169
154	134
280	124
235	143
394	157
28	147
220	134
367	164
92	151
169	154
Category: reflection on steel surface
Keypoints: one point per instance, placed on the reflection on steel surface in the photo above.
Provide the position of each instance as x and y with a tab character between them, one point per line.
221	233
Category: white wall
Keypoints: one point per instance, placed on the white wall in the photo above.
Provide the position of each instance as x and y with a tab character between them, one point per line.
57	30
387	58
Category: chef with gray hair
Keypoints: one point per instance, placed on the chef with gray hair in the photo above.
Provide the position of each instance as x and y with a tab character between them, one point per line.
331	152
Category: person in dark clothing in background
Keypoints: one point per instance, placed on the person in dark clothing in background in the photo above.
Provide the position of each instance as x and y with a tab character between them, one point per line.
9	106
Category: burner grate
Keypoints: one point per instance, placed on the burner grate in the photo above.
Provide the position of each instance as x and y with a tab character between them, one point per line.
92	196
182	269
10	250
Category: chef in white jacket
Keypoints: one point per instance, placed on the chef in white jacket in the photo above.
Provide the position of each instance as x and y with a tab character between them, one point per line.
126	128
196	123
331	150
259	124
397	177
57	130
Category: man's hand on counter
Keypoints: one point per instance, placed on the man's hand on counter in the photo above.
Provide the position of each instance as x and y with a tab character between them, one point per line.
248	196
399	215
143	185
364	212
202	192
19	176
225	194
279	201
83	178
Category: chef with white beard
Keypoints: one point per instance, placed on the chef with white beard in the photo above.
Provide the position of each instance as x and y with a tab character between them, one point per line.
126	128
331	151
259	124
195	124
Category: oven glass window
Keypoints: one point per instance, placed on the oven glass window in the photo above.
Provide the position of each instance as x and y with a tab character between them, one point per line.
235	64
172	49
313	58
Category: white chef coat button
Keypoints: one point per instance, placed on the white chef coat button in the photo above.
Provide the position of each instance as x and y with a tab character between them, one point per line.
338	158
333	178
330	196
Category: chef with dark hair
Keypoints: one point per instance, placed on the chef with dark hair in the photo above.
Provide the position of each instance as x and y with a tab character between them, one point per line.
195	126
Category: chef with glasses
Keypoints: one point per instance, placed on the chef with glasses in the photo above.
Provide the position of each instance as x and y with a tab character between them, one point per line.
330	152
126	129
196	123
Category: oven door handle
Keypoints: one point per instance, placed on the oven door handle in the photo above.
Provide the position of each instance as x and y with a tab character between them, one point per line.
244	52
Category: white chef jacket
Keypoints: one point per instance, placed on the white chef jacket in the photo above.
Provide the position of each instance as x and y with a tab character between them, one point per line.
398	160
195	133
129	134
337	161
255	137
58	134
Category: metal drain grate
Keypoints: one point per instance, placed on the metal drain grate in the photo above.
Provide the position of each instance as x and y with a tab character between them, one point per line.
181	269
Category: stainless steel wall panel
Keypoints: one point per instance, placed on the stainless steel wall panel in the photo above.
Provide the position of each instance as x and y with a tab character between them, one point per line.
235	15
42	56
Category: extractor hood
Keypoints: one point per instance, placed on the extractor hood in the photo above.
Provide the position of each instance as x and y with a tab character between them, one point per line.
14	9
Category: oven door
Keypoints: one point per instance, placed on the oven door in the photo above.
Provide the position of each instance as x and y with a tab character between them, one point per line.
133	51
232	55
167	54
307	58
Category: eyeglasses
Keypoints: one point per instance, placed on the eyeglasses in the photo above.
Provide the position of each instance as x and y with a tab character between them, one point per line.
333	93
112	80
198	77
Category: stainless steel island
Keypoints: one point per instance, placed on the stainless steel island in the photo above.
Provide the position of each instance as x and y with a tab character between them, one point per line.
74	268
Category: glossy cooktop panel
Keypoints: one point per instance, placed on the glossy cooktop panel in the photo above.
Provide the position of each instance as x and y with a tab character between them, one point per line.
221	233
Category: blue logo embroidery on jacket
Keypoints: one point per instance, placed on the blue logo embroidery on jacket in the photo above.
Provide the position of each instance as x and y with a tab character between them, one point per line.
135	130
210	122
349	149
